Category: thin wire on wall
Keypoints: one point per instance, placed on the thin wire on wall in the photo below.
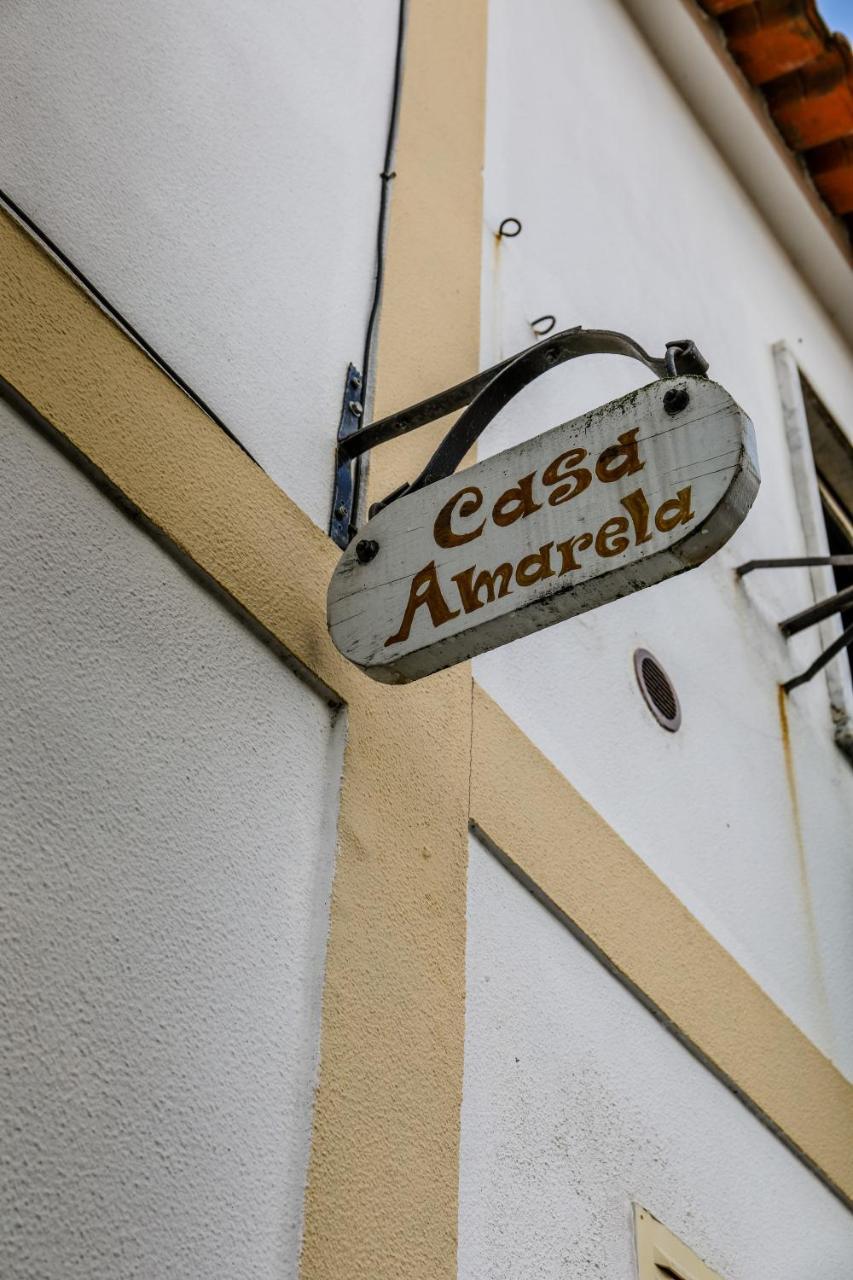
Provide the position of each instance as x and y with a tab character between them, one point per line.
386	177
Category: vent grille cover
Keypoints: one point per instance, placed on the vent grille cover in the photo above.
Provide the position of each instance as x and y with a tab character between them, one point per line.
657	690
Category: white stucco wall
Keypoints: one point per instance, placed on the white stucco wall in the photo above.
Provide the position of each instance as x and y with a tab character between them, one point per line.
578	1102
214	169
168	792
633	222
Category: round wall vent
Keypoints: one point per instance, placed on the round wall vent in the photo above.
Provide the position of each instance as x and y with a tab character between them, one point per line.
657	689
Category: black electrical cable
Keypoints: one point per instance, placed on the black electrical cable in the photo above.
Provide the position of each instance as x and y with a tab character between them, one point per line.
386	177
116	315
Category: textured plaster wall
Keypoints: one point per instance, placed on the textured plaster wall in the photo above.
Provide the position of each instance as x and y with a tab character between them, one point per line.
214	169
577	1102
633	222
167	799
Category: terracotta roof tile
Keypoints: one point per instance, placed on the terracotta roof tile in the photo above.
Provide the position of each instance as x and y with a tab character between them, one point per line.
814	105
722	6
805	73
772	37
832	170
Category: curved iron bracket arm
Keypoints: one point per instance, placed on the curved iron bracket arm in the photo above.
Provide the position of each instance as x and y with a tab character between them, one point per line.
485	394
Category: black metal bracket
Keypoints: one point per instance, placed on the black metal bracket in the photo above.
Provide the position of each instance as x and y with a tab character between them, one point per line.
815	613
345	498
485	394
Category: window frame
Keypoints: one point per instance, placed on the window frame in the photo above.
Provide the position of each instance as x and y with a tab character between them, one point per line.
807	491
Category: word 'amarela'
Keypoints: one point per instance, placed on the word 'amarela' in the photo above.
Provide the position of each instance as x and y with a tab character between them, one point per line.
462	520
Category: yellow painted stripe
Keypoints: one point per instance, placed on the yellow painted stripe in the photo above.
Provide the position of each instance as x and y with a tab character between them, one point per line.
383	1186
557	843
78	370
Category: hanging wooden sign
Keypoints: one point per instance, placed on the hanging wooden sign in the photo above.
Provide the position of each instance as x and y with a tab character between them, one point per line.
626	496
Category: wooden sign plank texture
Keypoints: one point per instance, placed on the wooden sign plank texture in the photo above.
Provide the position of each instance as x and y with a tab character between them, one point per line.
607	504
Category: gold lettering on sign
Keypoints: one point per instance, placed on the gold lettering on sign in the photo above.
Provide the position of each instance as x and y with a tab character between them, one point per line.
516	503
608	540
470	588
566	468
638	509
675	511
567	550
621	459
534	568
444	535
425	590
565	478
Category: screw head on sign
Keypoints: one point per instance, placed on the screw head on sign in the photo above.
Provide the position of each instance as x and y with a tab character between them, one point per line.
356	408
366	550
676	399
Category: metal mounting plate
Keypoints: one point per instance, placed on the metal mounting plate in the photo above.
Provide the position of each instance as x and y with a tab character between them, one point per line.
344	497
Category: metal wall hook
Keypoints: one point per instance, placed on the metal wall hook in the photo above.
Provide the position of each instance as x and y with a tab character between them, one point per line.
485	394
506	231
543	325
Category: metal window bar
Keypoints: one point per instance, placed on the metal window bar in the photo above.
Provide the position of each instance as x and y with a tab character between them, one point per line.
815	613
844	641
797	562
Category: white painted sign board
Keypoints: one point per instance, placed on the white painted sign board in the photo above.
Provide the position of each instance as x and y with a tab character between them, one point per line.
612	502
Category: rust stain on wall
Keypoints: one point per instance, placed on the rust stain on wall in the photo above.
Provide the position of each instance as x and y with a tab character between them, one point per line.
805	887
791	778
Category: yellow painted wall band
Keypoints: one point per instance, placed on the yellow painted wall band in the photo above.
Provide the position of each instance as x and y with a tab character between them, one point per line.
383	1186
556	842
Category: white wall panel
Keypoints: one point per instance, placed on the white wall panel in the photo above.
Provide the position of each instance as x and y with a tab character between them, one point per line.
213	168
578	1102
632	222
168	792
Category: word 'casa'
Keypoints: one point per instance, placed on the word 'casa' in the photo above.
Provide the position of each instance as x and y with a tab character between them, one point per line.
563	479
